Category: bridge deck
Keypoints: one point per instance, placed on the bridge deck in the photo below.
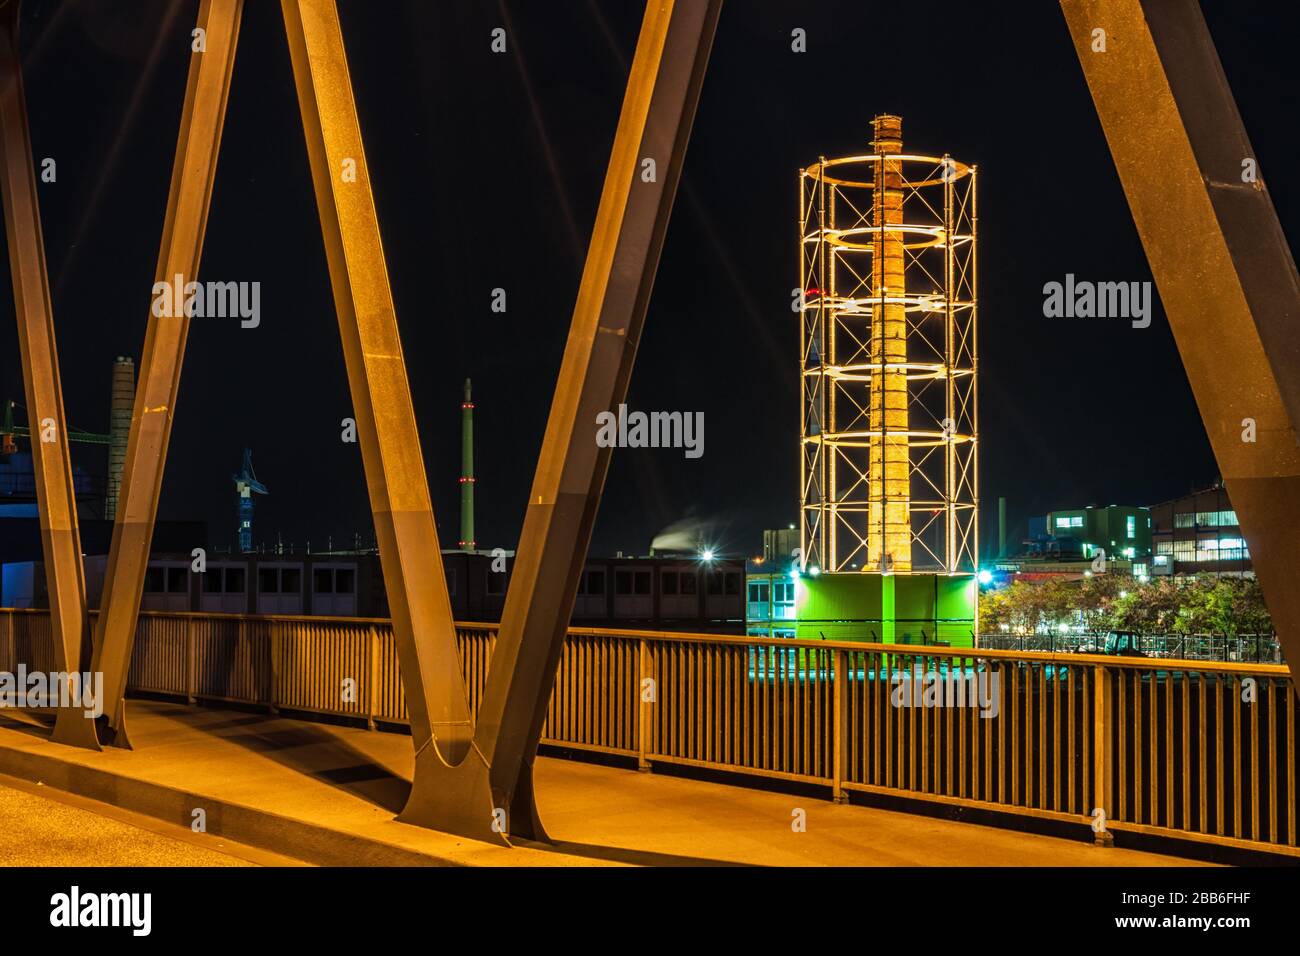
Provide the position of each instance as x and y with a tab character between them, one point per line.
329	793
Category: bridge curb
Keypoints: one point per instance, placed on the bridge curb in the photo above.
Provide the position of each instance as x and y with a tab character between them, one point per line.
287	836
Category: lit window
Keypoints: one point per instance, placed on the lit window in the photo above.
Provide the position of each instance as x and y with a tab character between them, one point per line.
1131	526
1076	521
1063	522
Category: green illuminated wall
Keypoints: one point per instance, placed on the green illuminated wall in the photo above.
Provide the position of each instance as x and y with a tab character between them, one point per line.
892	608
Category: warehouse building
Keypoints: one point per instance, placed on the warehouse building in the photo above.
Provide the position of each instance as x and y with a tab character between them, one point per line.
1199	534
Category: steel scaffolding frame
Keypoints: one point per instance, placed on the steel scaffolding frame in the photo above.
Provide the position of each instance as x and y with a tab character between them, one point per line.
841	234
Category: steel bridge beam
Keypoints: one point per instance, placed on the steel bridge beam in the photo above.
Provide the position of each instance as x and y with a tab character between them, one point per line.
1225	273
490	794
409	551
55	493
193	172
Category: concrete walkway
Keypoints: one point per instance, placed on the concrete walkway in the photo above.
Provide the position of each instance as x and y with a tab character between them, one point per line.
328	794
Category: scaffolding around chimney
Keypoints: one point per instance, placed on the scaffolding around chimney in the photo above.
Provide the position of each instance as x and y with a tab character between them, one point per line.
888	365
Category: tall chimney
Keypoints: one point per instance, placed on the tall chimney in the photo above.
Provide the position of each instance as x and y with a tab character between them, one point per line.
889	529
467	542
119	428
1002	527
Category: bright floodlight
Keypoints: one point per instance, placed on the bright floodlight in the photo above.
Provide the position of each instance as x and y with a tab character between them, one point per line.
986	576
707	554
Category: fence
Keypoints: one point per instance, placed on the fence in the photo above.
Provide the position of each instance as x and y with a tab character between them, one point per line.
1203	751
1256	648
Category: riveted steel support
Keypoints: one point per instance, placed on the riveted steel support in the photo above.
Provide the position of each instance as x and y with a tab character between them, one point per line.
490	794
55	494
1226	277
193	172
381	395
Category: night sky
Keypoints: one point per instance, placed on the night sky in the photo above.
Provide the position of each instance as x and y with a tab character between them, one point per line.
487	170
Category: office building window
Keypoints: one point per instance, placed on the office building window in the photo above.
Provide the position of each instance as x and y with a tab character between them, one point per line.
1130	526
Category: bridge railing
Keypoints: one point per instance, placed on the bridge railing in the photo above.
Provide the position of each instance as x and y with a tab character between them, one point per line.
1201	750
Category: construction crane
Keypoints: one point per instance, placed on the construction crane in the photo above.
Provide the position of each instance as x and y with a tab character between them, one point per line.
246	484
9	431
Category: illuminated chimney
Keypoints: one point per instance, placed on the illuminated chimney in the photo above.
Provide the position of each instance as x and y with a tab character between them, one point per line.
889	529
887	312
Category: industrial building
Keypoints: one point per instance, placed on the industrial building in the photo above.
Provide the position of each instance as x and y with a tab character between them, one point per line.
1199	534
659	593
769	585
1121	531
1067	543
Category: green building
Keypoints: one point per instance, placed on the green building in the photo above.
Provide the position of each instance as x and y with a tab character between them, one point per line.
784	600
936	609
1123	531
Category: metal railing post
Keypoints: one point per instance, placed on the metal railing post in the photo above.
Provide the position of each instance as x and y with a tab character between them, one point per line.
372	691
1102	775
275	644
644	714
840	658
191	664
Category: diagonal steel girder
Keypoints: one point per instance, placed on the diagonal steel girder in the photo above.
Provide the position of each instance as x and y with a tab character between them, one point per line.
409	552
489	795
55	494
1226	276
193	173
